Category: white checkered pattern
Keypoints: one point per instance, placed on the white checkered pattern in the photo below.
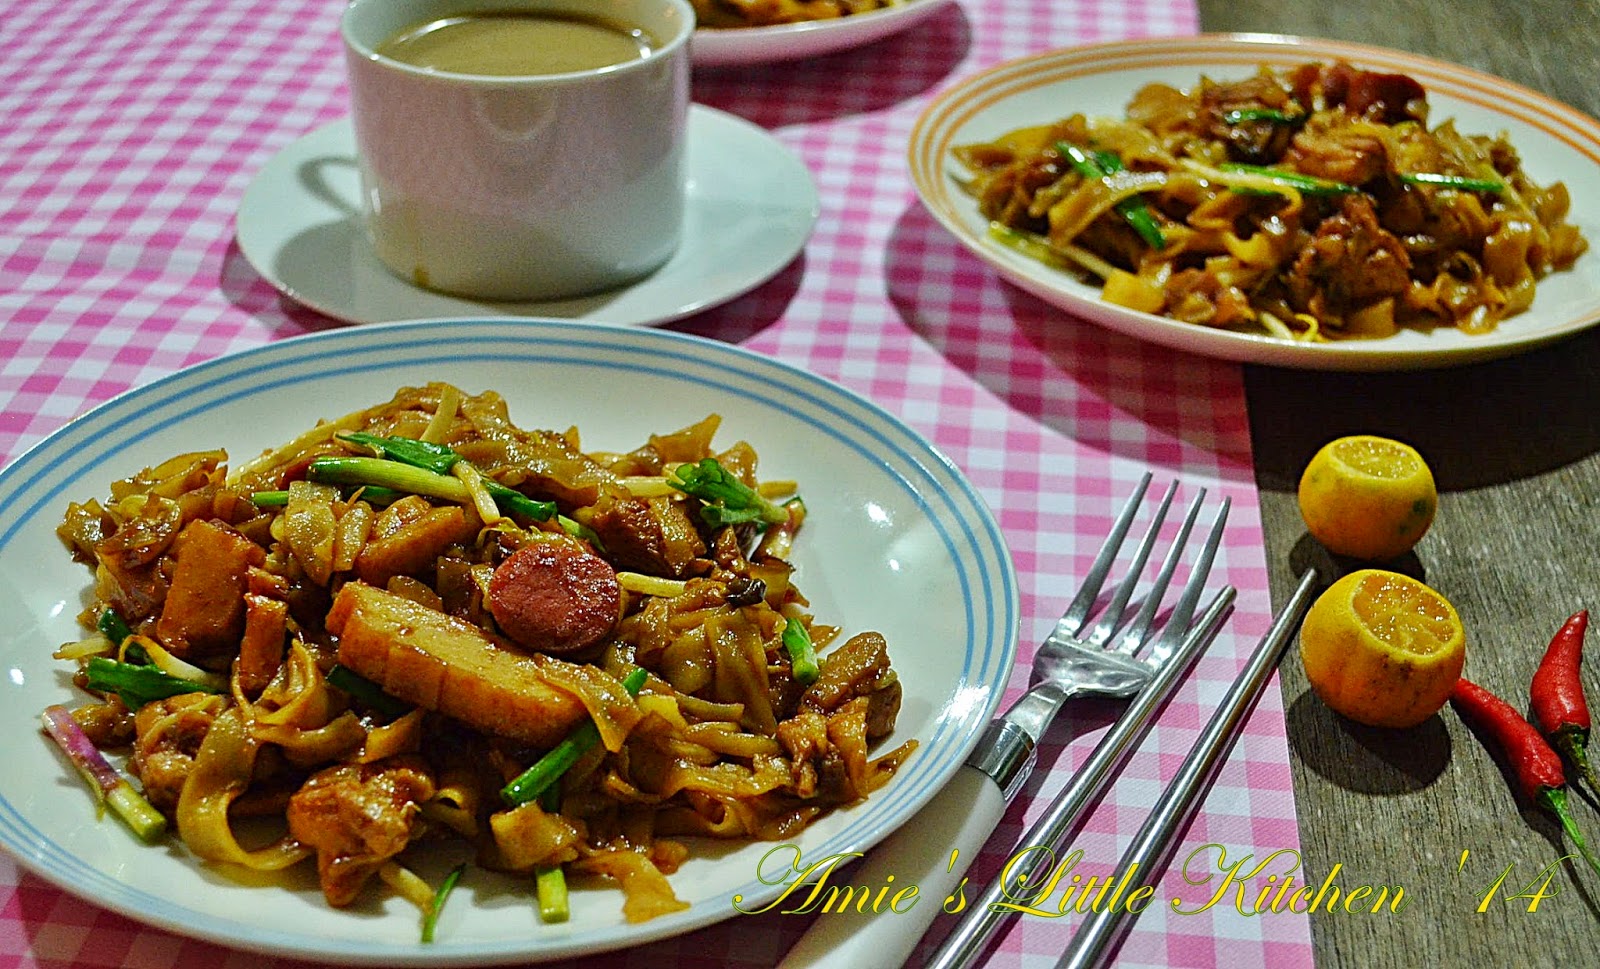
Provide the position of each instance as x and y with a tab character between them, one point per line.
133	129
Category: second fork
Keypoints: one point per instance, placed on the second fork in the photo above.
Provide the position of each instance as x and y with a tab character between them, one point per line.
935	847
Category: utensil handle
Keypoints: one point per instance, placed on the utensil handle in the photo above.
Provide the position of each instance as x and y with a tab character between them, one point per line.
965	944
1152	847
958	820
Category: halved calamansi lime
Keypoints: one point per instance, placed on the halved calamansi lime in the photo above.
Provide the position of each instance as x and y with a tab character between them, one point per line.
1382	648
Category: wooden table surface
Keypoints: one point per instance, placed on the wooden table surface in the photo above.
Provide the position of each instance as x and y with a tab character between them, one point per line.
1515	447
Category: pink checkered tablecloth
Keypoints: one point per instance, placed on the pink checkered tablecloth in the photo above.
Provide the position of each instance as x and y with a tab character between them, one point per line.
133	129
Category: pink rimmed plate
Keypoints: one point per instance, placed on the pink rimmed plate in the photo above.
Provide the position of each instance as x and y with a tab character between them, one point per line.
734	46
1556	143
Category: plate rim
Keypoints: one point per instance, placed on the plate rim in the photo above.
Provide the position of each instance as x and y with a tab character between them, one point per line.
743	46
704	120
999	634
928	175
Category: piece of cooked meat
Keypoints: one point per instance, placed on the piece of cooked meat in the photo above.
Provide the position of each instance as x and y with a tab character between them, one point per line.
1351	262
168	735
261	648
1389	98
1257	142
647	535
357	816
204	612
415	545
1353	154
446	664
859	668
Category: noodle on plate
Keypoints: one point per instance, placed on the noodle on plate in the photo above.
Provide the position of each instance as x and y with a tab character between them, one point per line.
422	623
1312	203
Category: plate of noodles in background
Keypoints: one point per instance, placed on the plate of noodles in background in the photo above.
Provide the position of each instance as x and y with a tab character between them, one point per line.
966	138
895	540
737	32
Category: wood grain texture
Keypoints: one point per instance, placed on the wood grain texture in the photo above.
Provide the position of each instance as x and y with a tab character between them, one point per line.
1515	445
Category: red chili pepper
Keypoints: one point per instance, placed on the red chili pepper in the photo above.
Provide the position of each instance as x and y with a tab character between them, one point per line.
1535	763
1557	694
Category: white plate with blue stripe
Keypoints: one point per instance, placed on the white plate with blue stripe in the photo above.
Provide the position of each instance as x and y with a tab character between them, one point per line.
896	540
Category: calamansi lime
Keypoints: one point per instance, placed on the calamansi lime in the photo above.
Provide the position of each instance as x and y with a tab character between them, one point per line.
1368	497
1382	648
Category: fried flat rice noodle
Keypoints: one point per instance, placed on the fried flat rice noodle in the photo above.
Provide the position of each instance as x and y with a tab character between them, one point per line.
767	13
612	709
442	699
221	773
298	714
647	892
1312	203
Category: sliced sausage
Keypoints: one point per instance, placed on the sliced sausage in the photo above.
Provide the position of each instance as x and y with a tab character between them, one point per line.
555	597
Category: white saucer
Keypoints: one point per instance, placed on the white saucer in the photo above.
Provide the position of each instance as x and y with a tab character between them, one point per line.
751	206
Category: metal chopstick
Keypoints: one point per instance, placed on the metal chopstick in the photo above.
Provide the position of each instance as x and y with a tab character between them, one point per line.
1152	847
967	941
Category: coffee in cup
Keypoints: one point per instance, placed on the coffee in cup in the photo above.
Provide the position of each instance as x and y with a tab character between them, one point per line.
508	43
520	149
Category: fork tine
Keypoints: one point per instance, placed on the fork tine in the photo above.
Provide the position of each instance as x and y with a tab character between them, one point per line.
1136	632
1072	620
1183	612
1112	617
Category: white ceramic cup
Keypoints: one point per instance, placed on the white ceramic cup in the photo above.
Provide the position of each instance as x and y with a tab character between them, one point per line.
521	188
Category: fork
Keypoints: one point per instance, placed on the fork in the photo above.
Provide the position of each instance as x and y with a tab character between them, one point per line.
935	848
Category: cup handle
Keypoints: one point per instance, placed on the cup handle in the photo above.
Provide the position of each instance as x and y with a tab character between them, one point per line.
313	175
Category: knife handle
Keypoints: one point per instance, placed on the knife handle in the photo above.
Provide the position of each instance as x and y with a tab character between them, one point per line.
959	819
